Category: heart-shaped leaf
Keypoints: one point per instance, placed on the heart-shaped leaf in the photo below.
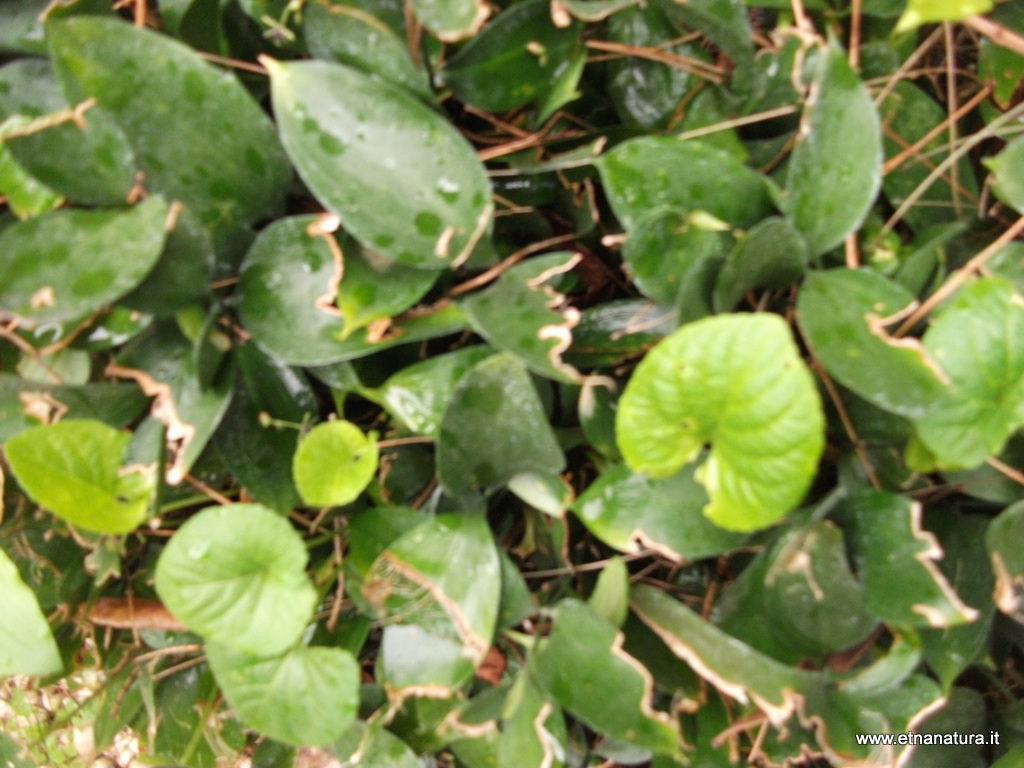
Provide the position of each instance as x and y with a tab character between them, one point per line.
836	166
402	180
26	643
334	463
73	468
308	696
236	575
736	381
62	265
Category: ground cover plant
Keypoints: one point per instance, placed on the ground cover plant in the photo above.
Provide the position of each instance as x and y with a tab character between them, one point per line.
521	384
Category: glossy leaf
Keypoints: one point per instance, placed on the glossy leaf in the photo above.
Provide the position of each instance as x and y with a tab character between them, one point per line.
288	289
334	463
666	255
771	255
525	315
724	22
220	155
646	93
164	365
348	34
370	745
308	696
90	163
26	643
643	174
73	468
611	333
236	575
631	512
65	264
418	394
967	568
735	381
402	180
25	195
533	727
582	660
977	342
442	618
1003	542
514	60
845	316
493	429
897	562
920	12
1008	168
835	168
451	20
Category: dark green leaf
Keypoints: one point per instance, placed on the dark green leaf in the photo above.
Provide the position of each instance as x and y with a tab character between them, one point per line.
236	575
523	314
610	598
402	180
65	264
198	136
582	660
1008	167
977	341
442	618
835	169
771	255
647	173
514	60
630	511
843	314
493	429
1003	539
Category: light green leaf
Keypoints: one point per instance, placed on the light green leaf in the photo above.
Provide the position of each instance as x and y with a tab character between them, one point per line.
920	12
197	134
582	661
897	562
334	463
533	727
64	264
308	696
514	60
1008	168
236	575
73	468
835	169
402	180
493	429
630	511
441	619
26	643
841	313
25	195
736	381
348	34
643	174
418	394
1003	539
524	314
978	341
370	745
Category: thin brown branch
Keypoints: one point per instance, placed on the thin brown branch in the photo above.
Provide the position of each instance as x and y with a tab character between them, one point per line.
688	64
509	261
